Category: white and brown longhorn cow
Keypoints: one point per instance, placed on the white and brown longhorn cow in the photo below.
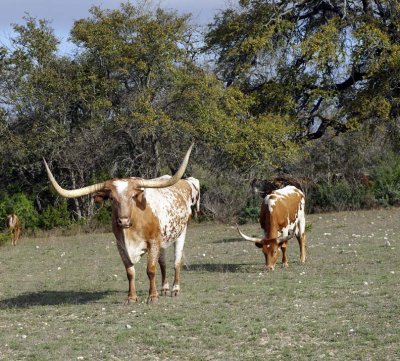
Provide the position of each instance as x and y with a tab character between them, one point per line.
14	226
282	217
148	215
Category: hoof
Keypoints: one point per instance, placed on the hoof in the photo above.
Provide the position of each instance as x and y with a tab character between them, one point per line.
285	265
175	293
130	300
165	289
152	300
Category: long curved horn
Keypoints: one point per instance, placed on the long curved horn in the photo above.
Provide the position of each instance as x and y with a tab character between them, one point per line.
74	192
247	238
161	183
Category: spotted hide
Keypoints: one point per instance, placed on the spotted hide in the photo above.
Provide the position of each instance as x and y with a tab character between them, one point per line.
281	218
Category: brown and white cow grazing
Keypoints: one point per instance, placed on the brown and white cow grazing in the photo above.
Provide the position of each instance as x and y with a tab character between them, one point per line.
14	226
282	217
148	215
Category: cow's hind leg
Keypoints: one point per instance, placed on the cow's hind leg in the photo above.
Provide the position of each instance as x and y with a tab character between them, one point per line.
163	268
301	238
180	242
301	234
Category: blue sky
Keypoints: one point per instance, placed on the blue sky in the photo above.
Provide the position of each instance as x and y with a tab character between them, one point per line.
63	13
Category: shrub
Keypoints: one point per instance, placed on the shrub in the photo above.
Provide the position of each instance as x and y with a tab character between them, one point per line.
339	196
22	206
4	238
387	181
55	216
103	214
251	212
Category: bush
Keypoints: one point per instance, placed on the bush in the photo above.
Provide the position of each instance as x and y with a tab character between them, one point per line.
251	212
103	214
339	196
5	238
55	216
21	205
387	181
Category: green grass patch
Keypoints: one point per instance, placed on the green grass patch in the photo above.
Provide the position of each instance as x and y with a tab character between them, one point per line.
63	297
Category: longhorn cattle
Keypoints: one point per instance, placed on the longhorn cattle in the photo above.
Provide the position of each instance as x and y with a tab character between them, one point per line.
282	217
14	226
148	215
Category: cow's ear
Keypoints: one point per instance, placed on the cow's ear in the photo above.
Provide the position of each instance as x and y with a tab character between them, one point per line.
101	196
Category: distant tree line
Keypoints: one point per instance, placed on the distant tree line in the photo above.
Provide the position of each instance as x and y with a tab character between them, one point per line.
304	88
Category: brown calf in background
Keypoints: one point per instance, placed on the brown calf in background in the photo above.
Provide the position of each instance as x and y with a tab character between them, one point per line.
14	225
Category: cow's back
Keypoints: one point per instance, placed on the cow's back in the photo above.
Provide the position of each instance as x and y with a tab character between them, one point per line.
280	209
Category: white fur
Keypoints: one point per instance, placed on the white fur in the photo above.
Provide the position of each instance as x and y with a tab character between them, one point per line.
121	186
136	249
180	242
172	219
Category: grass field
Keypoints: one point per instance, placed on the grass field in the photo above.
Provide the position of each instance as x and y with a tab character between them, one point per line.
62	298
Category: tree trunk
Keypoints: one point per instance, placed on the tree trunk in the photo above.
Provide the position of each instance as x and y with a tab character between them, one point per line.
77	207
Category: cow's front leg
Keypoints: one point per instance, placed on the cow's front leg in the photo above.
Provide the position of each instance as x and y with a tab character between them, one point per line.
284	257
163	268
132	296
154	255
180	242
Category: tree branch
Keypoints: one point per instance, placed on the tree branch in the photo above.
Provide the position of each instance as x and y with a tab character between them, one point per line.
351	80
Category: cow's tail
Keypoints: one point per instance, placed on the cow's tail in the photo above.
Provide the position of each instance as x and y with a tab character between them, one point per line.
196	200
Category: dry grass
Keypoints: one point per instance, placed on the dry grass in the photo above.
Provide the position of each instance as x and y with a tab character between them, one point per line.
61	298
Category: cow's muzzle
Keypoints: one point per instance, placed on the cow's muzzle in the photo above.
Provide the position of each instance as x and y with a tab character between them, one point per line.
269	268
124	222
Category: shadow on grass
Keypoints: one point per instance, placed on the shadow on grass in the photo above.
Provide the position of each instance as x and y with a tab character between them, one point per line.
224	267
230	240
46	298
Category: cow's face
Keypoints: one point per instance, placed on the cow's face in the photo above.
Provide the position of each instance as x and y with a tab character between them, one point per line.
270	248
125	200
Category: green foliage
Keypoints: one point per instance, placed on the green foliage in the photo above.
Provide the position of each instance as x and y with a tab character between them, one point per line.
21	205
251	212
55	216
4	238
339	196
332	60
104	214
387	181
323	48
